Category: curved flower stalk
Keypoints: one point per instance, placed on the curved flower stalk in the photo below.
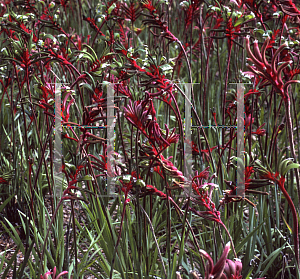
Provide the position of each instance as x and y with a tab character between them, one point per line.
284	167
202	196
141	114
289	8
271	74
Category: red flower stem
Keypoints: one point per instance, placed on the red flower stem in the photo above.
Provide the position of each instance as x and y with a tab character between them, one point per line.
98	31
39	139
26	136
137	153
179	212
189	69
287	103
224	106
154	160
178	118
228	144
49	128
250	126
5	91
205	77
274	135
131	150
295	219
230	238
122	140
199	128
298	138
74	235
168	228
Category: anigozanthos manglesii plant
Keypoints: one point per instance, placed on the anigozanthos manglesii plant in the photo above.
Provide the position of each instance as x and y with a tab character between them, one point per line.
271	74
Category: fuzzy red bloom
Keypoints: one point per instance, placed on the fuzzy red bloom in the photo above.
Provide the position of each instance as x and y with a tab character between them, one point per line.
231	32
202	175
127	186
136	114
147	4
172	170
131	12
3	181
205	152
45	276
151	189
195	150
259	131
289	7
215	271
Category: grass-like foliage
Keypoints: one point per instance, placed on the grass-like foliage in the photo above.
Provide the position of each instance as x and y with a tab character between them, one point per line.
145	95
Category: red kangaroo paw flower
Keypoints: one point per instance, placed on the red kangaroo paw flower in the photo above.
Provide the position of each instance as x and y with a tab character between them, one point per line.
215	271
289	7
233	269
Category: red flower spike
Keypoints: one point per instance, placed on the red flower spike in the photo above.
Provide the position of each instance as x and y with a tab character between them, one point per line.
131	12
135	115
273	37
251	91
151	189
259	131
155	21
172	170
148	5
204	174
195	150
205	152
155	134
231	32
93	24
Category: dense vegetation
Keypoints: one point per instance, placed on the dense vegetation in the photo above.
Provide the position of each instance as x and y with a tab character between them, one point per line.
123	78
